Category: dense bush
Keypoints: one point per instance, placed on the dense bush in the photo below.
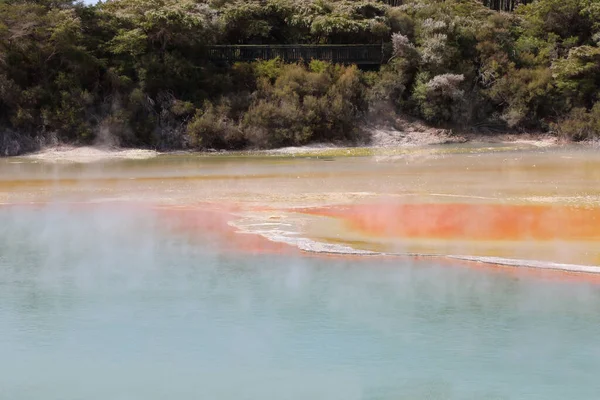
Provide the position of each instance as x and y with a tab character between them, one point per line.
134	72
580	124
293	104
439	99
212	127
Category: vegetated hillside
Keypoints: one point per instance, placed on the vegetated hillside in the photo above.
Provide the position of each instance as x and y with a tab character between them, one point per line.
134	72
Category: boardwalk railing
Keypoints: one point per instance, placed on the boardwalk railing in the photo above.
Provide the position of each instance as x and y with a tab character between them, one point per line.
361	54
498	5
504	5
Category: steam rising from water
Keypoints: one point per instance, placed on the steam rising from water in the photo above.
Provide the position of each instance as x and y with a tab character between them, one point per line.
109	302
121	302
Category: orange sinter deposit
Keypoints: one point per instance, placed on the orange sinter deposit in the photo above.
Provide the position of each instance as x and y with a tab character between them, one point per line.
213	222
485	222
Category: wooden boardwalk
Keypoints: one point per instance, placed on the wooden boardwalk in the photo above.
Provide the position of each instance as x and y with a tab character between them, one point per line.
360	54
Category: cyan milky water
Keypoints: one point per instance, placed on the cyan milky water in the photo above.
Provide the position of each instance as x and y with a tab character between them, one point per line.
107	304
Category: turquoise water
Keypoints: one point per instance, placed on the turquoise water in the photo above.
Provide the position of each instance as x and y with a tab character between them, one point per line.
107	304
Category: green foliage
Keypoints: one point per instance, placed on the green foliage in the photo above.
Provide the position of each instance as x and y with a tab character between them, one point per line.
300	21
159	24
292	105
322	103
562	19
181	108
269	69
211	127
529	96
578	75
580	124
134	72
44	69
439	99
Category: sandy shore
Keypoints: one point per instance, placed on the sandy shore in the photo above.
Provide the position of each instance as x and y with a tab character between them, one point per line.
414	136
383	139
89	154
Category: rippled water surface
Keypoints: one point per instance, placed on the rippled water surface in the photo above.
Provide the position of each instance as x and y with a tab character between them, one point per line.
112	304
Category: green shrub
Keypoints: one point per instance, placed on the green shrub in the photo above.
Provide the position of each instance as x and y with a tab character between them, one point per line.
269	69
276	123
135	71
181	108
400	22
211	127
393	83
439	99
580	124
527	96
319	103
578	75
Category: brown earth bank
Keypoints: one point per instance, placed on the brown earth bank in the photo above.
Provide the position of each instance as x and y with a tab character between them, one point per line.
415	135
419	134
382	131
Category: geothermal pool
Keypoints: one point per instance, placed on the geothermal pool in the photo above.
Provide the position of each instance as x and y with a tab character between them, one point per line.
267	276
